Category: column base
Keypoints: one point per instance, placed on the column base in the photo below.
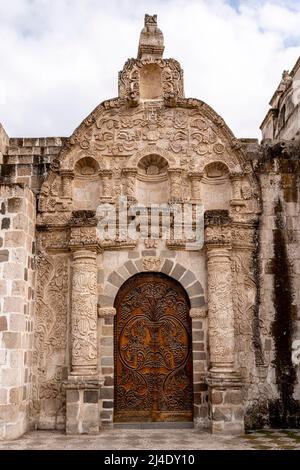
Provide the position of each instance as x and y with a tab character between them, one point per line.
226	403
82	405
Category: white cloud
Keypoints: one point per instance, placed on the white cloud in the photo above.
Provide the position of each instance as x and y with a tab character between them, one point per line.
61	58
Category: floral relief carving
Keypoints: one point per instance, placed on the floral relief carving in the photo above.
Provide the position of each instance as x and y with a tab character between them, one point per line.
221	322
50	333
84	312
188	136
244	299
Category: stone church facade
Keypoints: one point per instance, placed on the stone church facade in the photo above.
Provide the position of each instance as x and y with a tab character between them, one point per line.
99	330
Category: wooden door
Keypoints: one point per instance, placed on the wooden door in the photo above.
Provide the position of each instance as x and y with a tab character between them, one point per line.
153	354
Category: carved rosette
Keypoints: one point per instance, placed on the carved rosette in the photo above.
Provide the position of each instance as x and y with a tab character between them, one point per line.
84	313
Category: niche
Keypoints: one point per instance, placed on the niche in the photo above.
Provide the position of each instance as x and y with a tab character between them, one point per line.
152	180
150	82
216	187
87	187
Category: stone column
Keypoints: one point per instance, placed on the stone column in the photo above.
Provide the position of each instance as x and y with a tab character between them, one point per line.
84	313
130	183
226	412
83	385
236	186
67	190
196	186
107	184
175	184
221	319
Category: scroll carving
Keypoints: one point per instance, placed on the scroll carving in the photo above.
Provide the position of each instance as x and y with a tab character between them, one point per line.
84	313
50	334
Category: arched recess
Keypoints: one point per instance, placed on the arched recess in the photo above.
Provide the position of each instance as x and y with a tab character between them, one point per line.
216	186
153	358
165	266
152	186
151	81
86	185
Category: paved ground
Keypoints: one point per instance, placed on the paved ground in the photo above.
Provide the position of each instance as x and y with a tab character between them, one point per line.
181	439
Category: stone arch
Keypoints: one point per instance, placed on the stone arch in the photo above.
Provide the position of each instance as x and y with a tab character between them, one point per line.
174	270
86	167
217	166
151	150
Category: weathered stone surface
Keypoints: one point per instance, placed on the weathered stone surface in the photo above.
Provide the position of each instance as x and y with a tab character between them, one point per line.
91	396
57	275
4	256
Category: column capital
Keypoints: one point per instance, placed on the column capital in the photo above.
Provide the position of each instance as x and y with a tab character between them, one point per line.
84	238
197	175
67	174
106	172
83	254
174	171
236	175
106	312
129	171
217	229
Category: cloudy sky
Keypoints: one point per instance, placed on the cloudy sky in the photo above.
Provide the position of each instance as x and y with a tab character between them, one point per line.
60	58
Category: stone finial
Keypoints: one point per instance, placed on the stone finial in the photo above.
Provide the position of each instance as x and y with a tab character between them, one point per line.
151	40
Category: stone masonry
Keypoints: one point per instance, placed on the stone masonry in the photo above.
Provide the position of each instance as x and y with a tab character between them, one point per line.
61	270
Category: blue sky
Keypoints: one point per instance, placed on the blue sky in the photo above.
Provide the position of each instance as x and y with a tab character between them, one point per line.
61	58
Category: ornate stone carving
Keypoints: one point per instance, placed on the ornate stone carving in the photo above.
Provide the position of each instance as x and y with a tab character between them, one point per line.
107	184
196	313
151	263
196	185
150	243
130	183
50	334
151	40
67	178
175	184
105	312
220	310
84	313
81	236
244	298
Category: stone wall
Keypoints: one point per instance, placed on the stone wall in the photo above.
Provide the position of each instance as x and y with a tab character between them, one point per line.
17	281
4	140
27	160
274	393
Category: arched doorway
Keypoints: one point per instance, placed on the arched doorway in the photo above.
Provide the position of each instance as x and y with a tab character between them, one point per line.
153	351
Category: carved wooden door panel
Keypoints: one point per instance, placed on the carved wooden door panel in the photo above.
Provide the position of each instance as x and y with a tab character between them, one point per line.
153	355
